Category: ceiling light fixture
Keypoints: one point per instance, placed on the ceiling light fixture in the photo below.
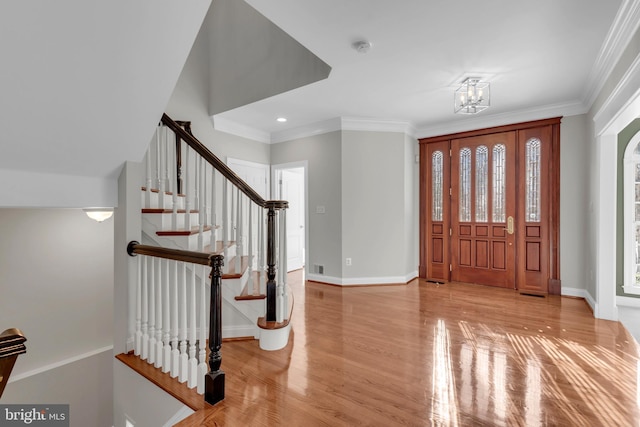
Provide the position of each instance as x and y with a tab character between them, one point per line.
281	119
362	46
472	97
99	214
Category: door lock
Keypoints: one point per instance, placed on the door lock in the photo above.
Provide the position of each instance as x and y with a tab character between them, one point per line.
509	225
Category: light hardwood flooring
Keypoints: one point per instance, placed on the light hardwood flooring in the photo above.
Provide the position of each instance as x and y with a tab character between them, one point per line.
432	355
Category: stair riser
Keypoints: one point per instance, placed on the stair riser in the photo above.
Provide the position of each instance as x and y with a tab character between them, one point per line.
154	200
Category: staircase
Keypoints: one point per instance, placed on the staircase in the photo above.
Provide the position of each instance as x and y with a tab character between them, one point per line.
197	213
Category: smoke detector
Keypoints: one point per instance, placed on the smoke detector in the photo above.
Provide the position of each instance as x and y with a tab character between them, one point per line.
362	46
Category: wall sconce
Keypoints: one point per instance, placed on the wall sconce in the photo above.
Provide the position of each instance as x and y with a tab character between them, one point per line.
99	214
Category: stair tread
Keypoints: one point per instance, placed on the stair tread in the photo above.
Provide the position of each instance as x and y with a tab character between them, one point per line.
236	271
219	247
155	190
182	232
165	211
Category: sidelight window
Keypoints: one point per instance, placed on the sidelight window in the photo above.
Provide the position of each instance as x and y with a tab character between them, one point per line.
532	197
437	185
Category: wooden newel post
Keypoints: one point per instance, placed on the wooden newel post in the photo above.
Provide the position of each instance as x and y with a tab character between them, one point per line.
271	264
214	380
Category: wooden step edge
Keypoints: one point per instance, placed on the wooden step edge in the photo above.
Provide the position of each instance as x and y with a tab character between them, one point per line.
155	190
194	230
175	388
263	324
250	297
234	272
165	211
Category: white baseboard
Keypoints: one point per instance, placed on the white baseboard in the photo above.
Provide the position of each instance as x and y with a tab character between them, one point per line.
179	416
58	364
581	293
361	281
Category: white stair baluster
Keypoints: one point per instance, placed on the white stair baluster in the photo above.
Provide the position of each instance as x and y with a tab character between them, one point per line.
166	311
187	202
196	192
225	225
159	155
239	231
152	310
202	367
175	353
184	357
200	203
149	182
214	239
251	289
158	286
171	148
137	343
205	195
145	308
193	361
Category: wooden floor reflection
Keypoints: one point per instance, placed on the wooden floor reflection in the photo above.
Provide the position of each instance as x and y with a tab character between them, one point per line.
432	355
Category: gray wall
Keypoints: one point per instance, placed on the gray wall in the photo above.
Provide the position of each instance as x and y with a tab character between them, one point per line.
190	99
324	156
56	282
574	179
85	385
374	205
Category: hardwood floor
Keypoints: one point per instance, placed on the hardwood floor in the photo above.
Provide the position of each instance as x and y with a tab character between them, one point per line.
437	355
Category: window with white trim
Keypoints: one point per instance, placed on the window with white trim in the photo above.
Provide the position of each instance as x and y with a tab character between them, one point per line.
632	216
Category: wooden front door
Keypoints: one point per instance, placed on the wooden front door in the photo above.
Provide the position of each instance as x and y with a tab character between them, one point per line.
489	207
483	209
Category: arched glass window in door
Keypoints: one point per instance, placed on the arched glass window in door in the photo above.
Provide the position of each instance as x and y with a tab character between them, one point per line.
465	185
499	184
532	197
482	183
631	188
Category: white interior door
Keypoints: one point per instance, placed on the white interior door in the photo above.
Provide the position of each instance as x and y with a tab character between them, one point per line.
254	174
290	187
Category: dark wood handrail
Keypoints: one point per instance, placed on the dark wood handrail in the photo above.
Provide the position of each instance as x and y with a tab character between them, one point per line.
11	346
201	258
225	170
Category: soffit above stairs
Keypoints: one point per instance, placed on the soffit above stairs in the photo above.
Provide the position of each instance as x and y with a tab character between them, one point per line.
83	84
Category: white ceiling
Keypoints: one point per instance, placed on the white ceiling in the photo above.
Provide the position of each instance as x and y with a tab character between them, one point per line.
538	56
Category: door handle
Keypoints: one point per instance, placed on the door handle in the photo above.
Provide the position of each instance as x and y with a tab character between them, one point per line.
509	225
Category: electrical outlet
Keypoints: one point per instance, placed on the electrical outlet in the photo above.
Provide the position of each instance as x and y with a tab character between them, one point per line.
348	261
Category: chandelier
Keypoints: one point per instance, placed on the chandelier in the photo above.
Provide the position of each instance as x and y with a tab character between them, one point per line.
472	97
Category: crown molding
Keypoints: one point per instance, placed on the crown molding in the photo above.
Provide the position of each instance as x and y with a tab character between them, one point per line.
229	126
317	128
479	122
376	125
622	30
625	94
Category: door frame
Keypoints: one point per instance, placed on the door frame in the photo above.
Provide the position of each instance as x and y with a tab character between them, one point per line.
304	164
554	284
